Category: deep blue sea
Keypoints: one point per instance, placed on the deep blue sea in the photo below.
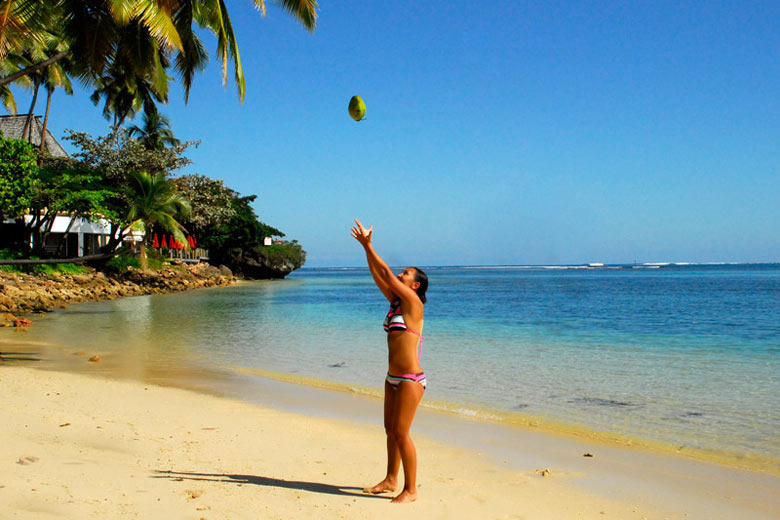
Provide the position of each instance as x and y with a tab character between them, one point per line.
682	354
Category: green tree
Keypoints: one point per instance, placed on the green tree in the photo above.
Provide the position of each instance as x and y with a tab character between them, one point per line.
242	231
155	202
65	187
211	201
18	177
115	156
156	132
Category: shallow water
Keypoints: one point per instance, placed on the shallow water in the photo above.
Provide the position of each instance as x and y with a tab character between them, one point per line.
687	355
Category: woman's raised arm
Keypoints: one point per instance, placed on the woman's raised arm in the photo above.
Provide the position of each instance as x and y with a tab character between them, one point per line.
383	276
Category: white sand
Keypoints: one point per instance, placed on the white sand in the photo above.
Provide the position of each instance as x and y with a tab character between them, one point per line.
75	446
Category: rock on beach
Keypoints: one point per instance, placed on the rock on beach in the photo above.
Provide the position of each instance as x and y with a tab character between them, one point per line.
30	293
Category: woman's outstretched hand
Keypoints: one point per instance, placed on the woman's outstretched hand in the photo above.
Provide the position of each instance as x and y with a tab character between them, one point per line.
362	234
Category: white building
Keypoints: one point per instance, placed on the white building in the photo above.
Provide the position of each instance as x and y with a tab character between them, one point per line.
85	237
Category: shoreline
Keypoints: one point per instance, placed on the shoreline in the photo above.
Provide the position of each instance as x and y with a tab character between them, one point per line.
542	424
187	379
755	460
86	445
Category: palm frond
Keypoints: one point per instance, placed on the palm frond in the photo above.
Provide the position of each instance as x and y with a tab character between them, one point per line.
7	98
193	57
155	17
232	49
304	10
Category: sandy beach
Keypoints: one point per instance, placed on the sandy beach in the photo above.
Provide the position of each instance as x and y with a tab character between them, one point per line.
79	446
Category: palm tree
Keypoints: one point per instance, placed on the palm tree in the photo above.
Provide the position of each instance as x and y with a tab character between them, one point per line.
136	77
50	77
156	132
155	202
126	94
56	76
91	28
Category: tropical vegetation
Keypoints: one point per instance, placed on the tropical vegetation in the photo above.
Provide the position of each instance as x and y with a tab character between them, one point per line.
123	49
155	202
125	52
120	180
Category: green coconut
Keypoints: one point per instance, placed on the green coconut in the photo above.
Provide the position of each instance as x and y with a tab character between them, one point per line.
357	109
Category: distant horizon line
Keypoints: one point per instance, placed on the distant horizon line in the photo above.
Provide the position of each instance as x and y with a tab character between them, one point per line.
587	265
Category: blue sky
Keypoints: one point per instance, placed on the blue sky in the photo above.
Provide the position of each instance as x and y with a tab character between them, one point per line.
498	132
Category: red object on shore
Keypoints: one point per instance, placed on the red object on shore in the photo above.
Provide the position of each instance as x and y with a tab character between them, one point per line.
22	322
170	242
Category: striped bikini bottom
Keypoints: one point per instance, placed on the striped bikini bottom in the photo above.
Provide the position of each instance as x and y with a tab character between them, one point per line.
413	378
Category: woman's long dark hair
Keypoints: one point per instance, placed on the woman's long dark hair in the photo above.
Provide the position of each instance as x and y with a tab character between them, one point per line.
420	276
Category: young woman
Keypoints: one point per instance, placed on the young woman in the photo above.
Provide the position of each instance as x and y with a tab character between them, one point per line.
405	381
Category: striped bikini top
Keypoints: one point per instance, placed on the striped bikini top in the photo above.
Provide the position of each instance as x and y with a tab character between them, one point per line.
394	322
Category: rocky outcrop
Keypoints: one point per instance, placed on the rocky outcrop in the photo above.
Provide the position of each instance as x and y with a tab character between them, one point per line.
262	263
26	293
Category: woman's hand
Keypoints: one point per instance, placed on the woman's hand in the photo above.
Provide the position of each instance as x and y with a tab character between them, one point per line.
362	234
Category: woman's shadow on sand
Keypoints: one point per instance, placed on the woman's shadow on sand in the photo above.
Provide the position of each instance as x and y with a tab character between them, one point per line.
314	487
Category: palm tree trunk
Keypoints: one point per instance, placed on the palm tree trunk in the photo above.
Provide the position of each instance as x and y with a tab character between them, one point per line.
49	92
142	255
29	70
28	123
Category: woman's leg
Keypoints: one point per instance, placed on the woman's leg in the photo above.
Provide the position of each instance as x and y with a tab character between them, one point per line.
390	482
407	397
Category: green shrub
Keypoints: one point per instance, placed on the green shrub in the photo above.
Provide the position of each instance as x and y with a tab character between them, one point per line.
121	262
10	254
54	268
155	264
71	269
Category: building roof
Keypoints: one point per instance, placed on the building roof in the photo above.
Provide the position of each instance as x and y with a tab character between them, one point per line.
12	127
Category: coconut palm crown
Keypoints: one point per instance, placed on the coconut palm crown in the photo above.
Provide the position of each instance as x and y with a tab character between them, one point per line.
155	133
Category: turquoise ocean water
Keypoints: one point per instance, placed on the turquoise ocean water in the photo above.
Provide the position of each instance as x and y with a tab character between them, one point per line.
681	354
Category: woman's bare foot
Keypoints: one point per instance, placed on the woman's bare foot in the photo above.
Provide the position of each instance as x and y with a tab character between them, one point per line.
404	497
386	486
